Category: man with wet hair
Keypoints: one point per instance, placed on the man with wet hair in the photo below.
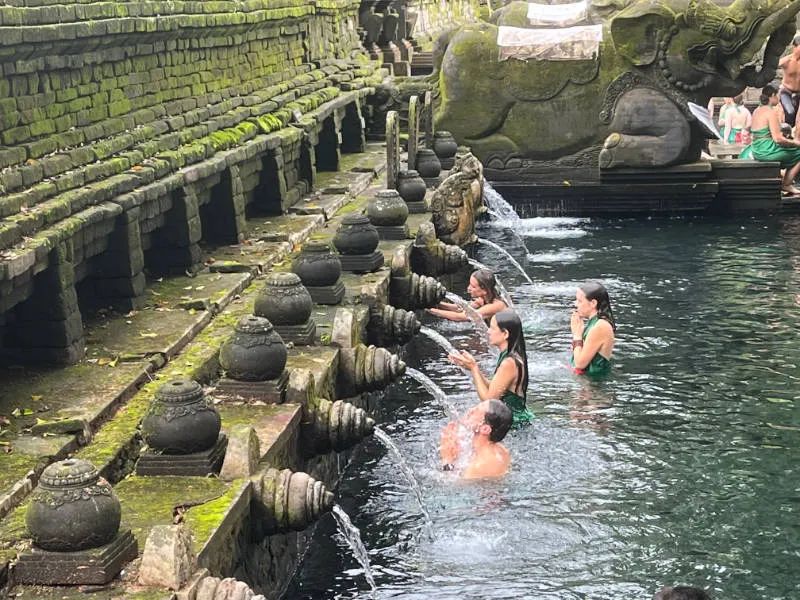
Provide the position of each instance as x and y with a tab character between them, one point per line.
681	592
790	84
489	422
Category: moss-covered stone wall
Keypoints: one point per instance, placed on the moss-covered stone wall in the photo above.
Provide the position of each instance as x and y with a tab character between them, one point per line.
129	132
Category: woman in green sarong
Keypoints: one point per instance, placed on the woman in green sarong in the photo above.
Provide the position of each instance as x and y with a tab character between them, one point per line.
769	144
509	382
592	342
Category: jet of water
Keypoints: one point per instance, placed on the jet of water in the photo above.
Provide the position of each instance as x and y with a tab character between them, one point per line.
435	391
500	287
381	435
511	258
497	205
473	314
352	536
439	339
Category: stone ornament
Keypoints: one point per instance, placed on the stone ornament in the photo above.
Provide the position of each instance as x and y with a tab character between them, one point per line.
445	147
284	300
291	501
255	352
181	420
411	186
356	235
428	164
409	290
387	208
338	425
366	368
432	256
316	265
73	508
390	325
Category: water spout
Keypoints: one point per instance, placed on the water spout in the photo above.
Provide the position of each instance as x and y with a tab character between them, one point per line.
352	536
435	391
500	287
511	258
439	339
381	435
473	314
497	205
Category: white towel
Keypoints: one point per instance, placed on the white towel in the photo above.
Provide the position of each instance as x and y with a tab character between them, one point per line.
571	43
557	14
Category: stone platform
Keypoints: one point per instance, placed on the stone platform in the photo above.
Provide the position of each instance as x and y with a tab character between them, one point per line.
705	187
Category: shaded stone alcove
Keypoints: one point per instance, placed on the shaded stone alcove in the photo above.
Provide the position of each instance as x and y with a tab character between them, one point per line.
352	129
326	150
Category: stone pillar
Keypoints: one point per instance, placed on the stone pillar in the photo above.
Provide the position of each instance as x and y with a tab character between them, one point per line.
413	131
175	246
427	119
119	279
392	148
47	328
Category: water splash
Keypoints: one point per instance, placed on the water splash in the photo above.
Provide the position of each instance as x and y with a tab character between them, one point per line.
497	205
439	339
500	287
352	536
382	436
435	391
511	258
473	314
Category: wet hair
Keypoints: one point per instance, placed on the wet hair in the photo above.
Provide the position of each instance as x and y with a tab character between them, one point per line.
499	417
682	592
508	320
594	290
767	92
738	100
487	282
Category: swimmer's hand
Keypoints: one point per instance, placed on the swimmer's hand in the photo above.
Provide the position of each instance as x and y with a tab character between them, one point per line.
465	360
576	324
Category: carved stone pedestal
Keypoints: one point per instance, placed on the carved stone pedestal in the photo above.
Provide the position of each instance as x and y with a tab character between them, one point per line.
95	566
361	263
415	208
327	294
393	232
197	463
271	391
299	335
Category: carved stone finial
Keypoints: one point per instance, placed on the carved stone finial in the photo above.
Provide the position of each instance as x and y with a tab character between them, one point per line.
73	508
366	368
390	325
292	501
338	425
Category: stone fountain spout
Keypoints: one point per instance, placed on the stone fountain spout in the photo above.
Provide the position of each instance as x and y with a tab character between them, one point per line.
390	325
366	368
432	256
336	426
289	501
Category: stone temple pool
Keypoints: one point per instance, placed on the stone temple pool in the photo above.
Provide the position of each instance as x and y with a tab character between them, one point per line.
680	469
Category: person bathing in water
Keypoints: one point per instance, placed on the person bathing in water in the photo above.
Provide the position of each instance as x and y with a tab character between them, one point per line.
509	382
485	299
768	143
489	423
592	342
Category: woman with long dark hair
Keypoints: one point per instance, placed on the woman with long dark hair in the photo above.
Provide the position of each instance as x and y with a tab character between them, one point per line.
485	298
509	382
593	341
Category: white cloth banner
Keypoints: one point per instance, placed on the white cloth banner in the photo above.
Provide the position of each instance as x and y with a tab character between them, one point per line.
557	14
571	43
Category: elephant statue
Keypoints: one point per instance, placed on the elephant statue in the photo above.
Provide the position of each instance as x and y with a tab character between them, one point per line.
625	106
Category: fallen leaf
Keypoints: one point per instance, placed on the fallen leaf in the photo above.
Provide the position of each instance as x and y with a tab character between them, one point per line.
35	398
199	287
16	412
114	362
148	335
103	361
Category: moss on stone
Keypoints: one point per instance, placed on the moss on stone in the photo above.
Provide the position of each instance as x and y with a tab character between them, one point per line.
204	519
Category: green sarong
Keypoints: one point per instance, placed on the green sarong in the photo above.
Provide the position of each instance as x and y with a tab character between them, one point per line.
763	148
